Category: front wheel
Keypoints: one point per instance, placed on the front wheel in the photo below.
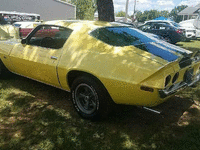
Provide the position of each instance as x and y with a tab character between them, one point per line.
0	68
90	98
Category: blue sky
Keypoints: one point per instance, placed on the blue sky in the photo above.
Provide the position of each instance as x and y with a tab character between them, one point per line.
142	5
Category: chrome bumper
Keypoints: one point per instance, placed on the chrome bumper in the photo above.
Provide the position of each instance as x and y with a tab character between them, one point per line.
178	87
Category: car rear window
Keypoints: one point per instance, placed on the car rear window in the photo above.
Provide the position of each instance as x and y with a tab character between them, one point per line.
125	36
120	36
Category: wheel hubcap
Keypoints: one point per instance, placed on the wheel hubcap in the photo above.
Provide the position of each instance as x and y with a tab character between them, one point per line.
86	98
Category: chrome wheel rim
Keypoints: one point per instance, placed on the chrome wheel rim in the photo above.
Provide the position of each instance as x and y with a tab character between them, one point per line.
86	98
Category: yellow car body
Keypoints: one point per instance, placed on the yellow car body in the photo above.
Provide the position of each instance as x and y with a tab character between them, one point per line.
8	31
130	75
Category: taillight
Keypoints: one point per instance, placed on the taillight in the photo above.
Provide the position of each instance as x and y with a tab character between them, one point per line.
175	77
179	31
167	80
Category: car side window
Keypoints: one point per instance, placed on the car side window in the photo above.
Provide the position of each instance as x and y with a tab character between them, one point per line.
162	27
145	27
50	36
148	23
120	36
156	26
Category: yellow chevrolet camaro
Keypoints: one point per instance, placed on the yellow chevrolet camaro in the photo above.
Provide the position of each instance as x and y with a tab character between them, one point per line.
101	63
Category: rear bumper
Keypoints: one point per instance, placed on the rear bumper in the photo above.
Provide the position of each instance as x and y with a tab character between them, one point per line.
178	87
190	35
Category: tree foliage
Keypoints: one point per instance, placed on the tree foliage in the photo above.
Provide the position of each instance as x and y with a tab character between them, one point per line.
120	14
85	9
152	14
138	16
174	13
164	13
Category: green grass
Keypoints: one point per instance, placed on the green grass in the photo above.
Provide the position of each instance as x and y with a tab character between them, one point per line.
191	45
37	116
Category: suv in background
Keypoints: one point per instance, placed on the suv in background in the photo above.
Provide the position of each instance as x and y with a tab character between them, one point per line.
190	33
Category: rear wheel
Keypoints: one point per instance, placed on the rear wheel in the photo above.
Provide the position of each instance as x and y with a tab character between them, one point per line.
90	98
0	68
4	72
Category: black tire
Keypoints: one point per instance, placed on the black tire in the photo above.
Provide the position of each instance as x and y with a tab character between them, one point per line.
4	72
90	98
0	68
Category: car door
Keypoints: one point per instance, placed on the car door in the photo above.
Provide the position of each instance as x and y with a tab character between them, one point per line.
38	56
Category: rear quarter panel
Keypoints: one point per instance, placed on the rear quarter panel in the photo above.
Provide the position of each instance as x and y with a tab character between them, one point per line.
120	69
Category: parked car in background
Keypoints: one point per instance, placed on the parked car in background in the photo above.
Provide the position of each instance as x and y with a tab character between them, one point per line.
26	24
25	27
190	33
193	23
101	63
169	33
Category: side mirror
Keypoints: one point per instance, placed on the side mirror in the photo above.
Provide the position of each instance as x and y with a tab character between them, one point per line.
23	41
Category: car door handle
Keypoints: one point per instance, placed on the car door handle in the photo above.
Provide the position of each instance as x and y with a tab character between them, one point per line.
54	57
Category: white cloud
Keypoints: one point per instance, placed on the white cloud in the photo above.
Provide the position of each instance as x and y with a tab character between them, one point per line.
165	5
143	5
190	3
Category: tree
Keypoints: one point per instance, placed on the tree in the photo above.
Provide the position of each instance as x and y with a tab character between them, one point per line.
175	11
84	8
152	14
144	16
121	14
105	10
164	13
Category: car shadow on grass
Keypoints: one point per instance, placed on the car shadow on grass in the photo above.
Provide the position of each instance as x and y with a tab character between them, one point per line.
37	116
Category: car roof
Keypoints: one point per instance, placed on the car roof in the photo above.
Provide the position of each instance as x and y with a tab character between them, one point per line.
158	21
162	23
77	24
25	24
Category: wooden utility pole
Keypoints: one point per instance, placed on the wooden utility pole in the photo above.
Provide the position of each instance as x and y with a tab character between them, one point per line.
134	14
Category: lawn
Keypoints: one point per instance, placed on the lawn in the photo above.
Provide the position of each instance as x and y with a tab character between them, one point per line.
37	116
191	45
